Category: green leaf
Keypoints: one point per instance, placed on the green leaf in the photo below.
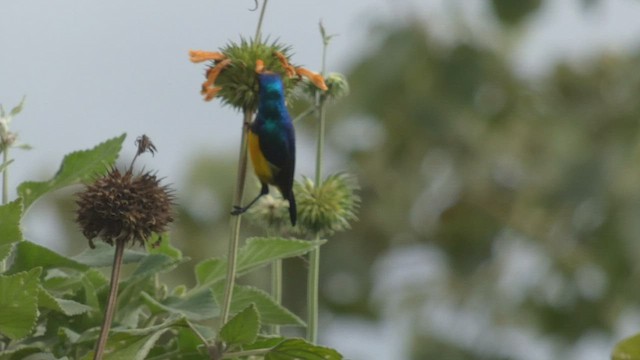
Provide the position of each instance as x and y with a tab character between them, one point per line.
160	244
19	303
5	164
292	349
242	328
136	349
135	344
262	251
264	342
143	279
68	335
206	332
102	256
96	278
10	215
196	307
67	307
23	146
514	12
29	255
255	253
76	167
271	313
120	334
179	290
627	349
210	271
44	356
62	283
151	265
90	288
17	109
188	340
19	352
5	250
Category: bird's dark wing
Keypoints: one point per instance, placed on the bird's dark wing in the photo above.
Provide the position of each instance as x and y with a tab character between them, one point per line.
277	144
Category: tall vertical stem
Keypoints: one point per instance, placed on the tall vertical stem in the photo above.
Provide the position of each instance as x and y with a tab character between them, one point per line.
276	288
5	174
232	256
235	229
259	27
313	280
111	301
5	196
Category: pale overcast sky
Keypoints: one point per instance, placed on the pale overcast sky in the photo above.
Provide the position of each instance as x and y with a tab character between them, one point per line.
92	70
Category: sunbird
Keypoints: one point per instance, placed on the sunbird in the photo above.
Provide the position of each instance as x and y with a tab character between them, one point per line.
272	143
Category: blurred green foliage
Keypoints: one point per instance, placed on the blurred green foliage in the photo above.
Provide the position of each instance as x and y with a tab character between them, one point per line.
527	188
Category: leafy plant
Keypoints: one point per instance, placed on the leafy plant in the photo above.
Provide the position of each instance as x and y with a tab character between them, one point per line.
54	306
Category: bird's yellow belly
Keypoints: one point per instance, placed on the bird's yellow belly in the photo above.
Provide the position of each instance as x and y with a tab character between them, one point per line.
261	166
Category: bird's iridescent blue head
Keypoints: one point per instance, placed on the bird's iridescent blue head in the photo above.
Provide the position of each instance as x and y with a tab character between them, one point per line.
271	87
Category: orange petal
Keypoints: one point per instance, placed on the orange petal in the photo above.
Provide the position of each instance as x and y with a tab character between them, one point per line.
288	68
315	78
212	73
282	58
210	93
198	56
259	66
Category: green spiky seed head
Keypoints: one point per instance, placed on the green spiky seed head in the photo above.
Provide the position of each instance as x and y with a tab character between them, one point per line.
271	213
338	86
329	207
239	82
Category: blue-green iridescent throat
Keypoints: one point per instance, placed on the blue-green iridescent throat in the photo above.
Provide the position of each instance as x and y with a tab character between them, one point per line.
271	103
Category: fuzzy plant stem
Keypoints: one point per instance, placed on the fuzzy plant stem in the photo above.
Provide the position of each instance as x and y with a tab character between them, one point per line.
111	301
313	280
276	288
232	256
5	175
237	201
5	198
259	27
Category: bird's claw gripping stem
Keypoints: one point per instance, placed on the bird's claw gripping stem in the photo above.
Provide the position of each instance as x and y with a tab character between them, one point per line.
237	210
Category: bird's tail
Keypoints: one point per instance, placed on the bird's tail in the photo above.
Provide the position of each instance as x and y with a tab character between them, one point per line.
293	213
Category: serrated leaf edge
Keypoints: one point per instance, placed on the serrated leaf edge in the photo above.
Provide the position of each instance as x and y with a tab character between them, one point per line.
34	274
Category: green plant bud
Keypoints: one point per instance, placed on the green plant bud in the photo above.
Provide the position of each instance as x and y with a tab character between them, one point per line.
271	212
328	208
338	86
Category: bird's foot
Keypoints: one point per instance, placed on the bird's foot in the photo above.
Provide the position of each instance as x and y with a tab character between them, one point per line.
237	210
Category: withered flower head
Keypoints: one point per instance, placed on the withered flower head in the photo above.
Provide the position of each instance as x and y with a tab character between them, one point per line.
123	206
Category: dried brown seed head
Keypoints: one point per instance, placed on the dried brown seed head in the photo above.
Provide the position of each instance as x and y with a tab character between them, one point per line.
124	207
